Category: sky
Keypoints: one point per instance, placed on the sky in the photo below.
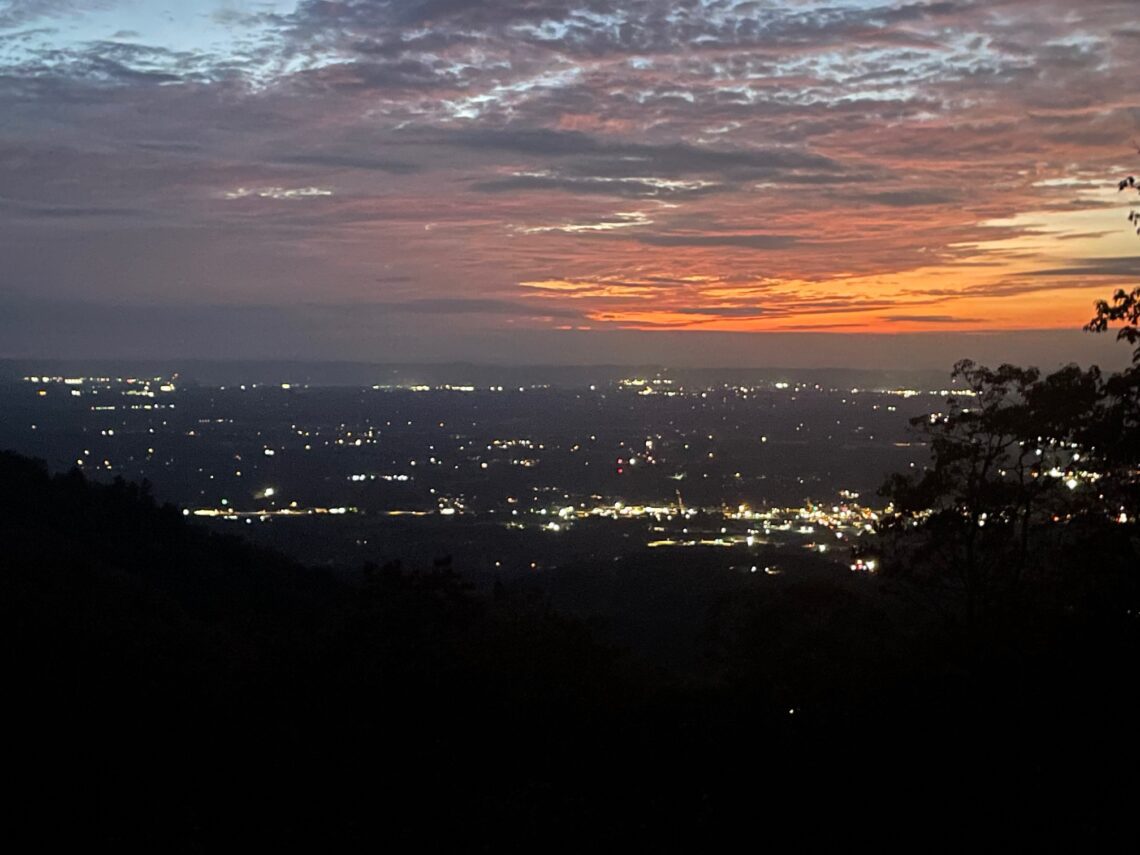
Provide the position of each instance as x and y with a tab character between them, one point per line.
770	182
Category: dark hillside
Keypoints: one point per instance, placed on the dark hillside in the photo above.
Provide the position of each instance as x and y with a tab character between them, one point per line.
173	689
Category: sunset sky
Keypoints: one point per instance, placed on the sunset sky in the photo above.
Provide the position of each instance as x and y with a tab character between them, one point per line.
578	180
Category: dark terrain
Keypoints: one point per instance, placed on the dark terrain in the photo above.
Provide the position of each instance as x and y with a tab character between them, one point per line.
173	688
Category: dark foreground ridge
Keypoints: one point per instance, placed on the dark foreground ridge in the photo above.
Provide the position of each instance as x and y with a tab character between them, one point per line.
175	689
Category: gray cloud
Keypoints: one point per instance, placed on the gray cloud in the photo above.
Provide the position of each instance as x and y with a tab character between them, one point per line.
724	311
16	13
928	319
335	160
621	187
472	306
910	198
67	212
608	159
1111	266
744	241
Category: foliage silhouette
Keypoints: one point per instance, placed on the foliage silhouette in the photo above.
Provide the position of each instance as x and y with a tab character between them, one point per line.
1124	307
172	688
1016	472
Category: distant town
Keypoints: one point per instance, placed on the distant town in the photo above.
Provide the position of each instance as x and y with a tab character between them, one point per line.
511	477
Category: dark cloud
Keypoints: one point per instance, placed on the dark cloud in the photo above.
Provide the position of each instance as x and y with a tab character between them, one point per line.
743	241
723	311
67	212
169	146
624	187
928	319
16	13
1114	266
368	14
350	161
472	306
910	198
395	76
598	158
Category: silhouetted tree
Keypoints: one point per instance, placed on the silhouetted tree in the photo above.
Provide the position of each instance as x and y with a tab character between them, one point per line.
1006	466
1130	183
1117	434
1123	309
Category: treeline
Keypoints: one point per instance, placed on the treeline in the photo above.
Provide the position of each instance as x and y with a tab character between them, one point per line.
172	688
1032	493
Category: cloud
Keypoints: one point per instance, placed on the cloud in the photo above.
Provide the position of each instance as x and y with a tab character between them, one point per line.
723	311
743	241
351	161
471	306
16	13
928	319
68	212
610	223
278	192
910	198
1114	266
598	159
739	165
622	187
